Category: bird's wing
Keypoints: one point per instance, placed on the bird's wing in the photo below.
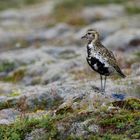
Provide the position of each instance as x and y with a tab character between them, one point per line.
111	60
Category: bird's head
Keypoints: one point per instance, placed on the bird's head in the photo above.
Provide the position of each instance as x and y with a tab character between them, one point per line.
91	35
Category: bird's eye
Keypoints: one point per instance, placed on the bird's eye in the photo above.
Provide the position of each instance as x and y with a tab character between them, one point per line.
88	33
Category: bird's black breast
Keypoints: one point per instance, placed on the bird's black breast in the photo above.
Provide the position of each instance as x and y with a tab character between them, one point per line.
98	66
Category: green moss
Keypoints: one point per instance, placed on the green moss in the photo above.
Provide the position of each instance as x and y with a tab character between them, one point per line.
130	104
118	121
123	123
132	9
16	77
18	130
136	58
7	66
16	3
4	105
14	94
68	10
72	4
71	137
137	54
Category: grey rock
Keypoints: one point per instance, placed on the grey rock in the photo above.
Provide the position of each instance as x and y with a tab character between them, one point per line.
8	116
102	12
124	39
36	134
20	14
113	24
57	31
78	129
10	14
135	69
93	128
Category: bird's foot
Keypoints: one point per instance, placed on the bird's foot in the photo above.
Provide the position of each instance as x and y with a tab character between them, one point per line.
95	88
102	92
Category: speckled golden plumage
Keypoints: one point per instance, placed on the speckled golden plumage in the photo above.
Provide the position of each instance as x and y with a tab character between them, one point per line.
100	58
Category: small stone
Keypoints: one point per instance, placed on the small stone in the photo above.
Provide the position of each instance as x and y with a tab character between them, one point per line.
93	128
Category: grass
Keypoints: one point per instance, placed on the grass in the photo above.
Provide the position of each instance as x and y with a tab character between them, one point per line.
20	128
114	125
6	66
14	93
71	4
69	10
15	77
132	9
4	4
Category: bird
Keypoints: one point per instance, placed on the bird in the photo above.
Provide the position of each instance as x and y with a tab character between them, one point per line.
101	59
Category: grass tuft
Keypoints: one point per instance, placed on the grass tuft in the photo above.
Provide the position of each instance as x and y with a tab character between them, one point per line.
5	4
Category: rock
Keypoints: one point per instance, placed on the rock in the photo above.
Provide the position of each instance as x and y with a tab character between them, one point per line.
23	14
93	128
65	107
8	116
27	56
126	39
7	88
78	129
56	32
113	24
135	69
35	134
102	12
10	14
43	65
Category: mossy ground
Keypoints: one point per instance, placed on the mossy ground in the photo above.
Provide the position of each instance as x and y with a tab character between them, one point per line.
4	4
69	10
6	66
116	124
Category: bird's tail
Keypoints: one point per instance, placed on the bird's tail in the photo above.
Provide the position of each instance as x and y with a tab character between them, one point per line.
120	72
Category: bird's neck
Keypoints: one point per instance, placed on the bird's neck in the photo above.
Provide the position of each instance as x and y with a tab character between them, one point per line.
92	47
93	44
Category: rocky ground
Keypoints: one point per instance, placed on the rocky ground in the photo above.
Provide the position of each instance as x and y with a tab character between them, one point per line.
47	90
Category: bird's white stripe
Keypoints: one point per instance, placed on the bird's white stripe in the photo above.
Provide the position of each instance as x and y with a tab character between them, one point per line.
95	66
90	45
97	55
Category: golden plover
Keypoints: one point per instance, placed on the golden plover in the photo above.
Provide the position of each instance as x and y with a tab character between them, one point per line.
100	58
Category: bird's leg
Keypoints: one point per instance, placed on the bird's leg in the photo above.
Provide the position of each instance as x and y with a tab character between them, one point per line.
104	83
101	78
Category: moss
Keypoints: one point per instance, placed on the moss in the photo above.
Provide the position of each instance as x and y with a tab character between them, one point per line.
7	66
130	104
4	105
132	9
136	58
71	137
123	123
118	121
14	94
16	4
20	128
41	103
82	74
137	54
64	110
71	4
68	10
16	76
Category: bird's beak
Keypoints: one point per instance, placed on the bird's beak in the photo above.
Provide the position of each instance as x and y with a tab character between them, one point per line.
83	37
